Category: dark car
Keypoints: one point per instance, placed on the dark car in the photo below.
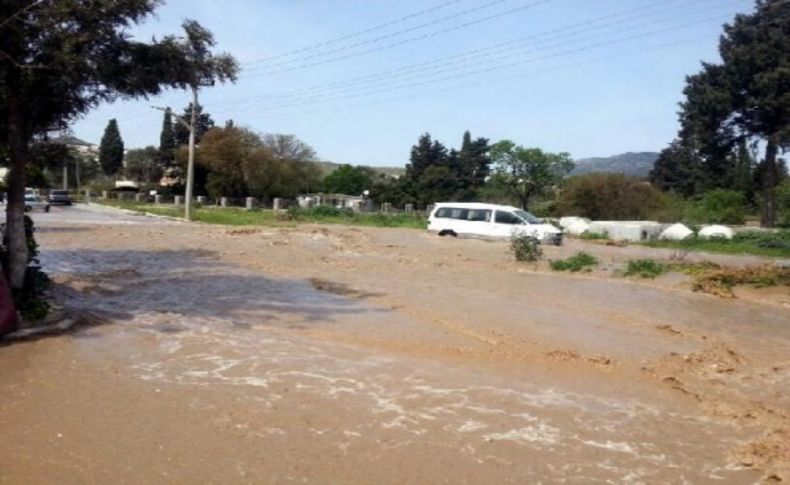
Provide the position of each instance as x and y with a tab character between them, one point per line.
59	197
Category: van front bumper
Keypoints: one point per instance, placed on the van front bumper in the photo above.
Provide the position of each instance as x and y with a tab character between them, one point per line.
552	239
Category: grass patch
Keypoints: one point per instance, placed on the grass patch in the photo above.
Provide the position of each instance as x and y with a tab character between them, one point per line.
722	281
759	243
694	269
645	268
580	261
234	216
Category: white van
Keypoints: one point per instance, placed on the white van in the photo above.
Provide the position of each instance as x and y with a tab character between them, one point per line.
489	220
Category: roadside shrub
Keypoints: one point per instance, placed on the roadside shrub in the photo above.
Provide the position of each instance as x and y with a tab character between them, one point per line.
525	248
722	282
719	206
607	196
580	261
783	204
645	268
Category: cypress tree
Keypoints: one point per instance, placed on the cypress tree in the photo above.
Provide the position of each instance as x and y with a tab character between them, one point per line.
111	149
167	140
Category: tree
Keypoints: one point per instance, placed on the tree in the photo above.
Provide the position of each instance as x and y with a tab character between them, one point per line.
746	96
609	196
59	60
423	155
167	140
347	179
203	123
678	169
143	165
473	166
111	149
527	172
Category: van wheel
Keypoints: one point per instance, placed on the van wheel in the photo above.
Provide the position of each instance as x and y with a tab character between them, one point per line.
448	232
28	208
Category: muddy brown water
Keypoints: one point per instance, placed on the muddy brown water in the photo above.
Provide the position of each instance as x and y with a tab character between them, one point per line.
315	354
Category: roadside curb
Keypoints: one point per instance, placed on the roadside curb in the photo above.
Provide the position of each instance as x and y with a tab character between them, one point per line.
137	213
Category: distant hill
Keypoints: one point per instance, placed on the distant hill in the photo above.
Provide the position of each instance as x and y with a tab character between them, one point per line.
329	167
637	164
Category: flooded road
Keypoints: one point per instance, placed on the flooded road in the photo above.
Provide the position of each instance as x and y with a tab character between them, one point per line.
324	355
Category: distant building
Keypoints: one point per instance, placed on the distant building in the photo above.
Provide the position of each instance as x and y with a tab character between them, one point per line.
341	201
80	146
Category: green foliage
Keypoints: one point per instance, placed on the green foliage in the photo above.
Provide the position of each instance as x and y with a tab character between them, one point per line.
721	281
143	165
609	196
203	123
111	149
528	172
349	180
645	268
435	174
783	204
167	140
525	248
581	261
744	97
678	170
760	243
719	206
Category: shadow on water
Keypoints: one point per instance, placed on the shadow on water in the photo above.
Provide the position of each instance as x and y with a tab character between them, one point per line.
172	291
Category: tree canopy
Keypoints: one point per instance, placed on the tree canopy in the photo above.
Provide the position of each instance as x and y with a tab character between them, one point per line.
60	59
528	172
347	179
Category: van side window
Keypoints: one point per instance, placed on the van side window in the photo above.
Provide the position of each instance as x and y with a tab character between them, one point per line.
479	215
443	212
503	217
458	213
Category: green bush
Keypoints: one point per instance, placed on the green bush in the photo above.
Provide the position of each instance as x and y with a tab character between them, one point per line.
580	261
783	204
608	196
525	248
645	268
719	206
594	236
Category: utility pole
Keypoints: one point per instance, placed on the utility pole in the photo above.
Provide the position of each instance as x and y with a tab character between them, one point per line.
190	125
191	161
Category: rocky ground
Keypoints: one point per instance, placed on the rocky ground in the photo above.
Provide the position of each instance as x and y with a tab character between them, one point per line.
331	353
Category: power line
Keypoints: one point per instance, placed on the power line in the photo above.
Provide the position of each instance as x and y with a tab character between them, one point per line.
401	42
476	53
320	98
489	69
391	35
357	33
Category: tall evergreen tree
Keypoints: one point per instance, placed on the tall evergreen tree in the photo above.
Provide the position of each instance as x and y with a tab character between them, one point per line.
111	149
203	123
424	154
474	165
678	169
746	95
167	140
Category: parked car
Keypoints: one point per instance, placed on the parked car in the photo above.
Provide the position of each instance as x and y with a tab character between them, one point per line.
490	220
59	197
34	202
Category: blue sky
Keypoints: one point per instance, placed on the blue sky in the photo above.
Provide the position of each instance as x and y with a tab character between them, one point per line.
589	77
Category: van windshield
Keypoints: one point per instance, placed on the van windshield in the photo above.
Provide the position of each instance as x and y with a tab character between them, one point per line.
528	217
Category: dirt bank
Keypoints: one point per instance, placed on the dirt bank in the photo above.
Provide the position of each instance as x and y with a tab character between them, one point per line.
387	355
